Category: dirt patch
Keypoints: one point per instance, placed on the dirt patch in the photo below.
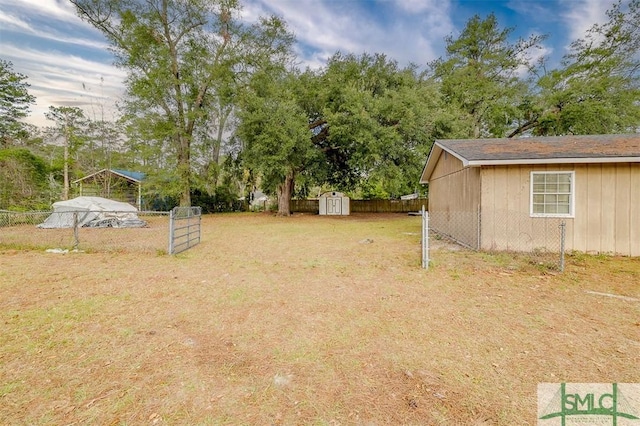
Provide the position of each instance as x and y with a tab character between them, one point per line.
296	321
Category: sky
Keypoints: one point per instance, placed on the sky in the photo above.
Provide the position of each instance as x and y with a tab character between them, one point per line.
68	63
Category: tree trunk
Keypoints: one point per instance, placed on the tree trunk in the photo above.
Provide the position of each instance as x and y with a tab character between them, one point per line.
285	192
184	170
65	189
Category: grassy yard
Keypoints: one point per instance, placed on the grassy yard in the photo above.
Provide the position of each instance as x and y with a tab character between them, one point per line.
305	320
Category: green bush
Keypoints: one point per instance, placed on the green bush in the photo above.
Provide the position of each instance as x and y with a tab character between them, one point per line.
24	180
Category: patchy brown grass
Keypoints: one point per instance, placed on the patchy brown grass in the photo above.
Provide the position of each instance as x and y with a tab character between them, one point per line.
301	321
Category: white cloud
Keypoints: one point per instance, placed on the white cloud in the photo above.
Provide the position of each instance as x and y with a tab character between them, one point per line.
580	15
407	31
419	6
58	10
11	22
57	79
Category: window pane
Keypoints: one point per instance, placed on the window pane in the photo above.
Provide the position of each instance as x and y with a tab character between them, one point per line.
551	187
564	178
551	193
538	178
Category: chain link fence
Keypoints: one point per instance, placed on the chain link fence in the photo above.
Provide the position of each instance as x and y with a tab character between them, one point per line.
541	240
21	230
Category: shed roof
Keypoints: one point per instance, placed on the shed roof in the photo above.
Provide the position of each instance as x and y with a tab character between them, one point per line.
537	150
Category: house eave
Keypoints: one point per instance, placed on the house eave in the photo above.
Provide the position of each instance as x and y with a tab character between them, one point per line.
579	160
432	160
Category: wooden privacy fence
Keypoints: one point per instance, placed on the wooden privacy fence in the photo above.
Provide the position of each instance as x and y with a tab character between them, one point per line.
366	206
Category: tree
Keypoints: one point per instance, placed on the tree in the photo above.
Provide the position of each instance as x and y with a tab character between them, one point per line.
372	124
480	76
70	126
24	179
14	103
174	52
597	88
361	124
275	132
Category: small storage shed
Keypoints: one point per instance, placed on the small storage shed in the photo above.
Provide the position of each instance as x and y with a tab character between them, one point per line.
115	184
511	194
333	203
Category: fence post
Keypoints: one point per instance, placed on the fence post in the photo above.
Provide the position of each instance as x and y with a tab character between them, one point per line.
76	235
479	224
425	238
562	236
171	224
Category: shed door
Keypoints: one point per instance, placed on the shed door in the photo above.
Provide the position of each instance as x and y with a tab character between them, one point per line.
334	206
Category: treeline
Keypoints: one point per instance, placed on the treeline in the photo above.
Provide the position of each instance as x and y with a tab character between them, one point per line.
216	108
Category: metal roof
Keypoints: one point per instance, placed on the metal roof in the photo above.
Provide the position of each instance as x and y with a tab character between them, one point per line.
537	150
132	176
137	176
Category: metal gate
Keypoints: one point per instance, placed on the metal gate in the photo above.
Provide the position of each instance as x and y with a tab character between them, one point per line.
184	228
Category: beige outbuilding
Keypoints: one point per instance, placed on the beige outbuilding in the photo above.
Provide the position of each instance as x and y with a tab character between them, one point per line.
512	194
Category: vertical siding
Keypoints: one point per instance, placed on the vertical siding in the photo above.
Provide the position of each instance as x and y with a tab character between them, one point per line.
622	231
506	222
454	197
607	209
577	240
592	206
634	209
446	165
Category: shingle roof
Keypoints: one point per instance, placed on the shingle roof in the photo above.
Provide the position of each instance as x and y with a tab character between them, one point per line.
596	146
537	150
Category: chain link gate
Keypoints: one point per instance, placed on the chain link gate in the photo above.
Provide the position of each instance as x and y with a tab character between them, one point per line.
184	228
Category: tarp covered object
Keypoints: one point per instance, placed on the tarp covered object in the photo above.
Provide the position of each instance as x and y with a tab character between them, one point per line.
93	212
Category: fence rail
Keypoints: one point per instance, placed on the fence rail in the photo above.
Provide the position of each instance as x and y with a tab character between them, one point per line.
102	231
184	228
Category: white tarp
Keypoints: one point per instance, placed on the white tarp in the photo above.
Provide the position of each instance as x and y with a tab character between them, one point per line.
93	212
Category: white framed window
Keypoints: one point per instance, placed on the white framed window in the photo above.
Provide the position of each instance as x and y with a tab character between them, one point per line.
552	194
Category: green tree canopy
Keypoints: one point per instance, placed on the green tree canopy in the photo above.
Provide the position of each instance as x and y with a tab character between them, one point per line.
176	54
24	180
71	128
481	76
275	133
372	124
597	88
14	103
